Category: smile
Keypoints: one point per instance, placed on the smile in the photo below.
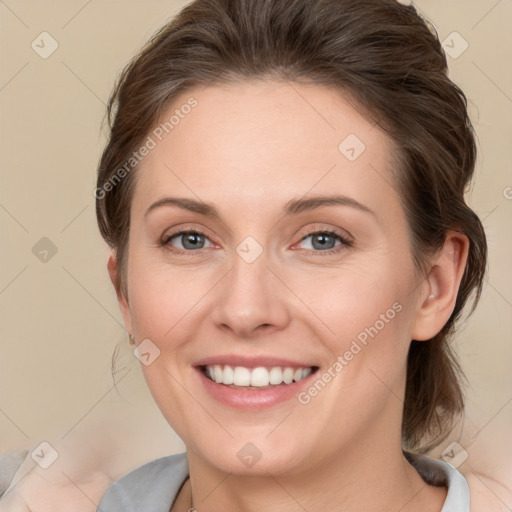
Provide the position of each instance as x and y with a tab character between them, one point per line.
256	378
253	382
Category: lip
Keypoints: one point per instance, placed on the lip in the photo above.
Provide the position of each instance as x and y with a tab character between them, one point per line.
250	361
251	399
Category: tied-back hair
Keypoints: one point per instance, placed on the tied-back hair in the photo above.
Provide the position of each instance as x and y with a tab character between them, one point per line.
388	62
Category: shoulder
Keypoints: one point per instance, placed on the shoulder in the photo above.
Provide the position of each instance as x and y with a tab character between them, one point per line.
151	487
10	463
488	494
439	473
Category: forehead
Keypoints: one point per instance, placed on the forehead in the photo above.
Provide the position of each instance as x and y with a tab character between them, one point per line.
264	142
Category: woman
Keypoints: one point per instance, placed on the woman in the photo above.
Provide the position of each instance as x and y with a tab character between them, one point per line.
283	191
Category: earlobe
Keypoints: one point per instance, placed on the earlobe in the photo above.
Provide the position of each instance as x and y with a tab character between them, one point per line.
113	272
441	286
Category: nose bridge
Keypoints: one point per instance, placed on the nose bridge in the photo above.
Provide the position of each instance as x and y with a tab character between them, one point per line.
250	296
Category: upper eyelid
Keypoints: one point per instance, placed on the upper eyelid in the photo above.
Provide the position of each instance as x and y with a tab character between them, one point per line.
182	232
337	232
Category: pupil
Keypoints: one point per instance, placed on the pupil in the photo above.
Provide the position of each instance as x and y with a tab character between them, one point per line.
323	241
193	239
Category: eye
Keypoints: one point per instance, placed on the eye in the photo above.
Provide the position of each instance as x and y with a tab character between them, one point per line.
325	241
187	240
319	241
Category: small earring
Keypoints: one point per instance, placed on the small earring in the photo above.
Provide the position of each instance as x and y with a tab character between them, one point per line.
132	339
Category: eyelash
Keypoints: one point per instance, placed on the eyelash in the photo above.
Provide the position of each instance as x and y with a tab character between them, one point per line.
345	242
167	239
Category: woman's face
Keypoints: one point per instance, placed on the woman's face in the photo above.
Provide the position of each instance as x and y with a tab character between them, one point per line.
301	260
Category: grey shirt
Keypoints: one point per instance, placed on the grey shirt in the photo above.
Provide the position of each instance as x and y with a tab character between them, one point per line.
154	486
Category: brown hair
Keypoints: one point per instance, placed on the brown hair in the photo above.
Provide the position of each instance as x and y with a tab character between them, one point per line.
384	57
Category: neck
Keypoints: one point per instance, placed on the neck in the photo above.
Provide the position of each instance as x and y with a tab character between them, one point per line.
357	480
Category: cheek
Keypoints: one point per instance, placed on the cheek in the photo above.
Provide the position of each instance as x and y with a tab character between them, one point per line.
364	321
162	297
356	299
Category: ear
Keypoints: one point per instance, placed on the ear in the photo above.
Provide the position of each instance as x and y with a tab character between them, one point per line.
113	272
440	288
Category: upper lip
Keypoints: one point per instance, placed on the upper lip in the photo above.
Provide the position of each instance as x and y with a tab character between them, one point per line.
250	361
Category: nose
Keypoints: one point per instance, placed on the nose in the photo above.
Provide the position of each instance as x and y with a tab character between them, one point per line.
250	300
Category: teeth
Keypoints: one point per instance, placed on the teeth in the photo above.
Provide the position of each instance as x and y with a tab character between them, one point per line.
276	375
242	376
228	375
288	375
260	377
255	377
217	373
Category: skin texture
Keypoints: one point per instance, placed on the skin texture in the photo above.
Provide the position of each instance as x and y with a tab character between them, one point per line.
248	150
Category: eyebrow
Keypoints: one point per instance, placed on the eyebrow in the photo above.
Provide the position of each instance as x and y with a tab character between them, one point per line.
292	207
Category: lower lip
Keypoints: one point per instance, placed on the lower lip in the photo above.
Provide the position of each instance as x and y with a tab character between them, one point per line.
254	398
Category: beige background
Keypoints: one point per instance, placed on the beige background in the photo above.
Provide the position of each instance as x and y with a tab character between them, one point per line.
59	319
